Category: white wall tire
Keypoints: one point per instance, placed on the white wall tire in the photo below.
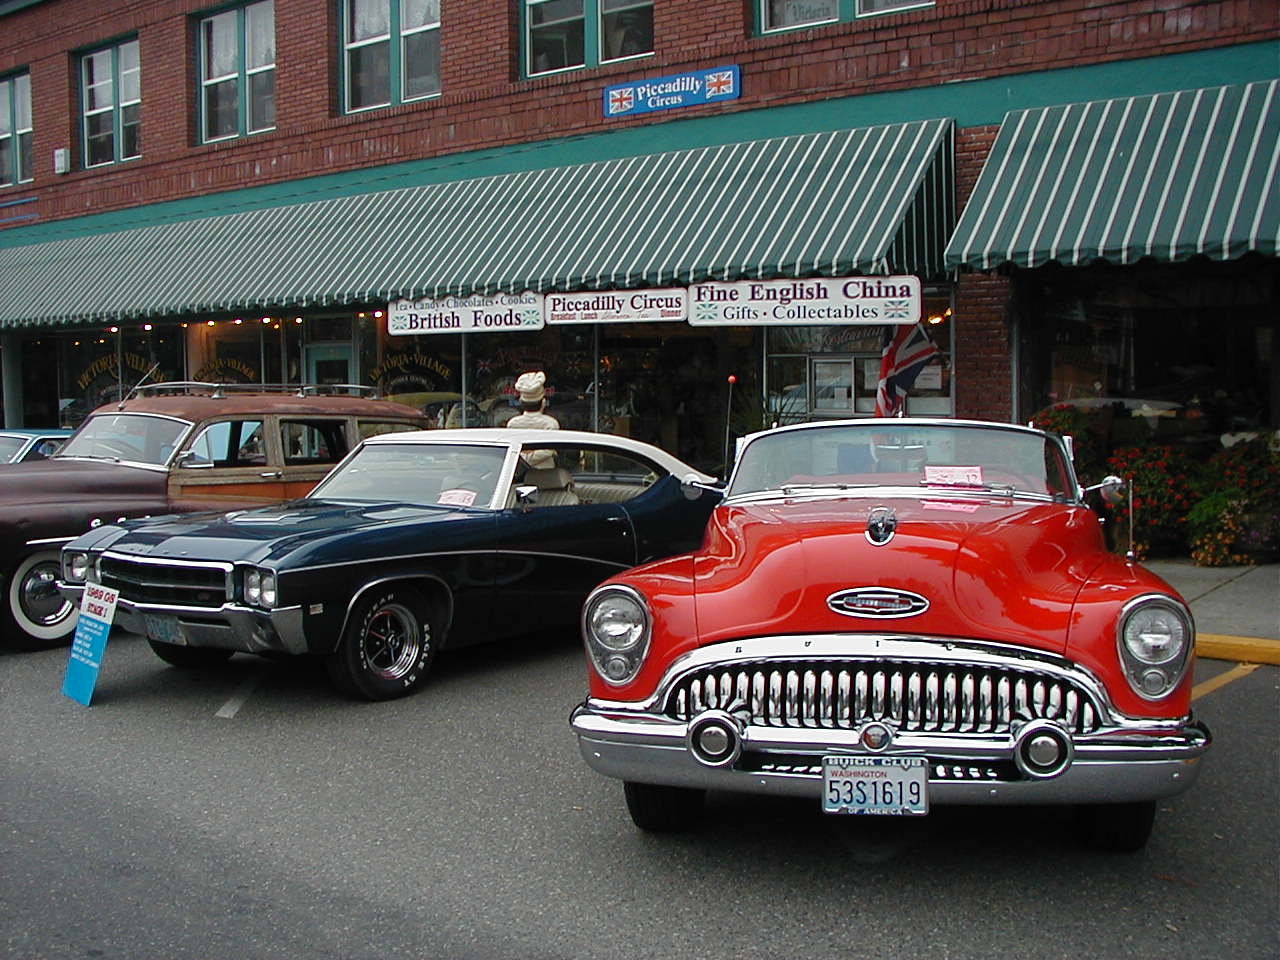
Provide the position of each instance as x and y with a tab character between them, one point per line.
38	614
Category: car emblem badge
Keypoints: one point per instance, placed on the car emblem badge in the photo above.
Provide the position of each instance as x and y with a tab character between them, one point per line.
882	523
880	603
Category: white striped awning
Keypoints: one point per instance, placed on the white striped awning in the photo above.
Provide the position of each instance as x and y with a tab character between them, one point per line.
876	200
1167	177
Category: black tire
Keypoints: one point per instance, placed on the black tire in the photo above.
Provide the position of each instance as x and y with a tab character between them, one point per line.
189	658
387	647
1117	827
661	809
36	615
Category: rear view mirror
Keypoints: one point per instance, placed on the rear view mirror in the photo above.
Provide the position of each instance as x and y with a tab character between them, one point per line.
693	487
1110	489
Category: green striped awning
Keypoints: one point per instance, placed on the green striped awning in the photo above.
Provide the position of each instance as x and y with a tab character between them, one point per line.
877	200
1169	176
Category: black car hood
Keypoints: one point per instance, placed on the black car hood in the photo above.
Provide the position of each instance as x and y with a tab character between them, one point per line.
269	533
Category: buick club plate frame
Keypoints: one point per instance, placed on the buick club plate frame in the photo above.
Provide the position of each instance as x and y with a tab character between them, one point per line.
880	786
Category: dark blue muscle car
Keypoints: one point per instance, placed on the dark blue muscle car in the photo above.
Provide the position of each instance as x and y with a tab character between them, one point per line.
415	541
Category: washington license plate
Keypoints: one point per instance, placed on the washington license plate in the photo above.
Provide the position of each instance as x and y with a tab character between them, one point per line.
165	629
887	786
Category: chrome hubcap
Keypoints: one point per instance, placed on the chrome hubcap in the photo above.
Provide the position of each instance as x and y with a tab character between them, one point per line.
40	600
392	642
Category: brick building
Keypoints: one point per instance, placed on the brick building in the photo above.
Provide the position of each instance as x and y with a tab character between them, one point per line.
1083	197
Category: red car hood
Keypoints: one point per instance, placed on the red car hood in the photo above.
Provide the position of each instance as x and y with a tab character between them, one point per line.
997	569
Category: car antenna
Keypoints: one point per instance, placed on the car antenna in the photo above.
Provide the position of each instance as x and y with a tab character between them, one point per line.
728	414
134	389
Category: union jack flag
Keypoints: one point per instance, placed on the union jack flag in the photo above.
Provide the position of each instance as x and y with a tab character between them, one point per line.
621	100
718	84
906	351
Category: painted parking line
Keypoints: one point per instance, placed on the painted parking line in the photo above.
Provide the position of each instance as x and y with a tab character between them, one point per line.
1222	679
250	683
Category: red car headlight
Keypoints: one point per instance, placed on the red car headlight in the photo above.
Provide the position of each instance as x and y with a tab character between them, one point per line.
1155	638
615	627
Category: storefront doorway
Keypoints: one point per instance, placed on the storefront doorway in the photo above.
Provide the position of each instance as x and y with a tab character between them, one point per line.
329	363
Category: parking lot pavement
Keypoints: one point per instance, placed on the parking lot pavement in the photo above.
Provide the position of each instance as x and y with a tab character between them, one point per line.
1237	609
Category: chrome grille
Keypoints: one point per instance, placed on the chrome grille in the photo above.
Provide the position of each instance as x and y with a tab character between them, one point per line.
913	697
181	585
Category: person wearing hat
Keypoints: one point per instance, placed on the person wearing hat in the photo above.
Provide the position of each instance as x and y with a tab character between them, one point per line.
532	388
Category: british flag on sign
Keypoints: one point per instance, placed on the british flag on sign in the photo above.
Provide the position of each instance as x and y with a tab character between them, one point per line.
620	101
719	84
907	350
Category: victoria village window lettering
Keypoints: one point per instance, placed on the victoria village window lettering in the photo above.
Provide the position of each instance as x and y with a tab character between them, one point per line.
853	300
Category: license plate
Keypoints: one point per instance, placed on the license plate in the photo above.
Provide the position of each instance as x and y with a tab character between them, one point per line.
887	786
164	629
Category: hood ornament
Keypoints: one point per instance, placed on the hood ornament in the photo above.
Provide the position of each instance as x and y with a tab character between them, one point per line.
878	603
882	523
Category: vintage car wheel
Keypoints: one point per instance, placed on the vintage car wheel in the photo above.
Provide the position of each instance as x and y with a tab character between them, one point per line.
1118	827
387	647
39	616
662	809
189	657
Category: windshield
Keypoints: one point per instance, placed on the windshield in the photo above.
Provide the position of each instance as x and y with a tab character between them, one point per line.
933	457
132	437
10	447
447	474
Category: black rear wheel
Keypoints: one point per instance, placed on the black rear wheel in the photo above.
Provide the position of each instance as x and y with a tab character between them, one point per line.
387	647
663	809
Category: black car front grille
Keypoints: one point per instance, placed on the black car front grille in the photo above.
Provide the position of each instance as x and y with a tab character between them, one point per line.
169	584
913	697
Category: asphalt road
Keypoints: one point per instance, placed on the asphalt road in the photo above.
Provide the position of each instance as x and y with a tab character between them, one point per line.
249	812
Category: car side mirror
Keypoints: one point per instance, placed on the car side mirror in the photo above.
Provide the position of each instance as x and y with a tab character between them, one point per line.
190	460
526	495
1110	489
694	487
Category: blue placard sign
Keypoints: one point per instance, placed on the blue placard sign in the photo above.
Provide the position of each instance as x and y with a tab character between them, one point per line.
668	93
97	610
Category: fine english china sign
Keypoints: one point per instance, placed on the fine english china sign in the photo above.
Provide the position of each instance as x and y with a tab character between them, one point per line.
501	311
615	306
820	300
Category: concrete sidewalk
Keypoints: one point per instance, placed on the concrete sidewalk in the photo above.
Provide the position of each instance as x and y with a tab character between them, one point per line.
1237	609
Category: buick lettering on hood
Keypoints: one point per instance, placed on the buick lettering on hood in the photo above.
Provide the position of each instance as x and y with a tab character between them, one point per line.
889	615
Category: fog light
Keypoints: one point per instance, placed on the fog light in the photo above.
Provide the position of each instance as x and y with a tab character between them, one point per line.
1043	750
615	668
713	741
1154	682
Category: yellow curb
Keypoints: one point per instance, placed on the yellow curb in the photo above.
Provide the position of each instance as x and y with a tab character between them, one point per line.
1215	646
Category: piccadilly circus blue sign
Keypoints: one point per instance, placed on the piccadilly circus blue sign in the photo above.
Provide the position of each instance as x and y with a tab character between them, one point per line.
668	93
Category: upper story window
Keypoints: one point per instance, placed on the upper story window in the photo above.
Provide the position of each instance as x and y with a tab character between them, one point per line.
238	71
773	15
15	129
391	51
572	34
111	104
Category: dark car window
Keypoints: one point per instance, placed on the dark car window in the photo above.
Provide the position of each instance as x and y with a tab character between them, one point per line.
438	473
134	437
231	443
313	441
607	476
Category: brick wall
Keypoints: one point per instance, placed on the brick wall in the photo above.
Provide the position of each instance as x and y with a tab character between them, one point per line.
485	104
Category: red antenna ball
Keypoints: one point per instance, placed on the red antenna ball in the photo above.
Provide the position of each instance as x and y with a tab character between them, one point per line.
732	378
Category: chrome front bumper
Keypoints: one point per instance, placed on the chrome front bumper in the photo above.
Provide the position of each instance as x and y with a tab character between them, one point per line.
1113	766
228	627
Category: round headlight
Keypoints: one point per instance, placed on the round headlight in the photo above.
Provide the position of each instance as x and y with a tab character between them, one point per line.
268	589
253	587
1155	634
617	621
78	566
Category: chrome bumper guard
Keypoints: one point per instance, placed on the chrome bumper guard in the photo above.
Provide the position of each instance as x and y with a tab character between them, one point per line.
228	627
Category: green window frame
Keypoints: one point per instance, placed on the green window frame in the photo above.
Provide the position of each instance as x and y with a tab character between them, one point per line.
390	53
562	35
779	16
111	104
237	62
15	129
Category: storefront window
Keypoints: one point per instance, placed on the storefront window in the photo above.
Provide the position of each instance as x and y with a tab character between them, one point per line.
99	366
565	354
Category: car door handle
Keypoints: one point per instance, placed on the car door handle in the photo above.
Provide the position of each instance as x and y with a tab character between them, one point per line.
271	475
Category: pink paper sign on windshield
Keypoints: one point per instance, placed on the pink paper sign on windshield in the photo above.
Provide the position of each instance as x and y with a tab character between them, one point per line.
952	476
457	498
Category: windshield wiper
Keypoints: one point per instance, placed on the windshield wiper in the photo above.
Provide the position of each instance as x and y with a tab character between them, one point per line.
789	487
1008	489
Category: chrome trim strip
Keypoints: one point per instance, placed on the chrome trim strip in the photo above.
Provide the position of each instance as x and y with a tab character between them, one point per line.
48	540
460	553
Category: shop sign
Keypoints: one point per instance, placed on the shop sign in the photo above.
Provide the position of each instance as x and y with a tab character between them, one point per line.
816	301
616	306
476	314
677	90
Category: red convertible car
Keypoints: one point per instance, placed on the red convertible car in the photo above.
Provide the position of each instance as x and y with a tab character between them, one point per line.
887	615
